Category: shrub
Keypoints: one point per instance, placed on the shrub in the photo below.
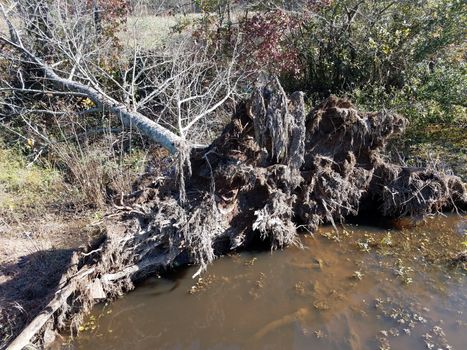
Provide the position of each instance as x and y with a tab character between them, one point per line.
404	55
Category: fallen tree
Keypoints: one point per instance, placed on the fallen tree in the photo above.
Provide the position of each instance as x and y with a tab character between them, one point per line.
273	170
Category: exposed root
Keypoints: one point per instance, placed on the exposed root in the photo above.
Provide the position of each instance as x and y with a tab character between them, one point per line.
274	220
273	169
415	192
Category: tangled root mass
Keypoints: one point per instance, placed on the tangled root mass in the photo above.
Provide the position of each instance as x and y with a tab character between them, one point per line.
273	169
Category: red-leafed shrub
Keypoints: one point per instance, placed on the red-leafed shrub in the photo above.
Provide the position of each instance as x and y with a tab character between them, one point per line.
268	42
264	35
110	10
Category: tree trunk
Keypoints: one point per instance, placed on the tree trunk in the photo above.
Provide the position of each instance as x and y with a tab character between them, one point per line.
148	127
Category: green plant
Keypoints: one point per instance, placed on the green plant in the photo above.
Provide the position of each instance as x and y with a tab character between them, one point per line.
25	189
408	56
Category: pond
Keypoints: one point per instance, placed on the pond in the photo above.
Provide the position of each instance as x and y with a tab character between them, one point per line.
356	288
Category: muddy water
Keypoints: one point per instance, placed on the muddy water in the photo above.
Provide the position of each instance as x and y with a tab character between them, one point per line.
359	288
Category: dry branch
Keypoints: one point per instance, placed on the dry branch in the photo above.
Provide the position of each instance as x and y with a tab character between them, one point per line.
168	94
151	129
61	297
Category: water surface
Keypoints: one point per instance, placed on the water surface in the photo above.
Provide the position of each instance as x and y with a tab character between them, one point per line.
359	288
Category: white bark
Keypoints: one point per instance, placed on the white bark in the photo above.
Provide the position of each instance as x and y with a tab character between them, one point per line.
148	127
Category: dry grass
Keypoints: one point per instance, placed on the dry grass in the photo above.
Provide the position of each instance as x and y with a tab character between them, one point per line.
100	172
149	32
3	27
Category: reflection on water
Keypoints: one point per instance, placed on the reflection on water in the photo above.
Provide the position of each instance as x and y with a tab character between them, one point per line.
360	288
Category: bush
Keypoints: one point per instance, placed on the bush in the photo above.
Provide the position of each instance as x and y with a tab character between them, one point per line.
404	55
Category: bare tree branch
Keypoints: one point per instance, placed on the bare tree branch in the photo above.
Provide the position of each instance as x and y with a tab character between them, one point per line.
167	94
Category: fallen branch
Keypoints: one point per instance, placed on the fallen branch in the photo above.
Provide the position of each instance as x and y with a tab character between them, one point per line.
35	327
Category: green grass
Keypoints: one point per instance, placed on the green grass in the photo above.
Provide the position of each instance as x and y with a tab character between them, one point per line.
24	189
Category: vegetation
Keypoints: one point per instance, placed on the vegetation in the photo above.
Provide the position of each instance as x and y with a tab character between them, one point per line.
407	57
25	188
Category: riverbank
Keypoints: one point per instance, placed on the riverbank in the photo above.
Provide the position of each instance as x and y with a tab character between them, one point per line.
33	257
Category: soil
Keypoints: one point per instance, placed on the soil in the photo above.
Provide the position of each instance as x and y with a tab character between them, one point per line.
33	257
